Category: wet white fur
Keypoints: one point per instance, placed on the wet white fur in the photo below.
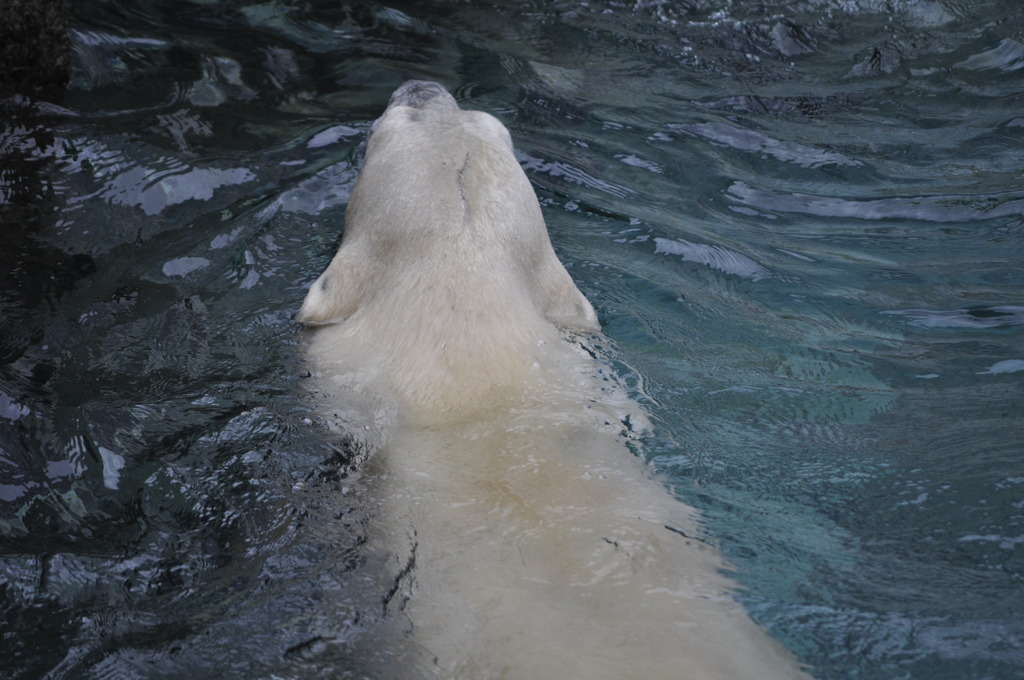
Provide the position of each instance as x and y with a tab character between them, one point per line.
541	546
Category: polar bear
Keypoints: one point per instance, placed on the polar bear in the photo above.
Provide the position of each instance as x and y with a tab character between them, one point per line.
536	543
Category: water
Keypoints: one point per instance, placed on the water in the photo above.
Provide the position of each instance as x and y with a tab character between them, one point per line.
801	223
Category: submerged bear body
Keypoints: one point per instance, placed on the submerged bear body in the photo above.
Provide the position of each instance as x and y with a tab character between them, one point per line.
535	542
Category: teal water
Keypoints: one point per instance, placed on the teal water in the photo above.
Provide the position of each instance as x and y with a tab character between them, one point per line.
802	224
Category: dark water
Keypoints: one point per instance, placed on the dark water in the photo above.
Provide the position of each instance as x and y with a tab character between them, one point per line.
802	223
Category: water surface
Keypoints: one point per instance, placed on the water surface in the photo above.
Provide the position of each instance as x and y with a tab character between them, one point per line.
802	224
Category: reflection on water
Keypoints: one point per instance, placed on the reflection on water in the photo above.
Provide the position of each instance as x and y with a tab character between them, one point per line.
801	222
947	208
980	317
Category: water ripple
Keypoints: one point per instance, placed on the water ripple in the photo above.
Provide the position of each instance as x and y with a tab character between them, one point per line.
1008	56
758	142
568	172
714	256
1000	316
957	208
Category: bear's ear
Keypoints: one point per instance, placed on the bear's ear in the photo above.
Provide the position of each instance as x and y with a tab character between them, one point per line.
566	307
332	297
